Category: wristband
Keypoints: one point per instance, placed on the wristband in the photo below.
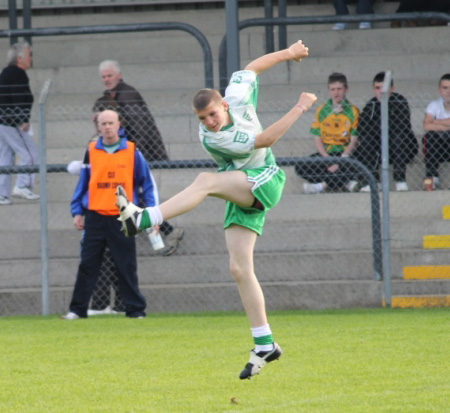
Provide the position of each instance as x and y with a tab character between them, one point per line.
301	107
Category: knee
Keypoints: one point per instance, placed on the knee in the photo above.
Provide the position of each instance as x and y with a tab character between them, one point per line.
205	181
238	271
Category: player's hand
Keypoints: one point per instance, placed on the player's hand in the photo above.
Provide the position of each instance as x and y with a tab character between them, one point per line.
333	168
306	100
298	51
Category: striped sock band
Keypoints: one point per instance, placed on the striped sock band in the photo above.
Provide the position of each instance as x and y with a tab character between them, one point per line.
149	217
143	220
262	337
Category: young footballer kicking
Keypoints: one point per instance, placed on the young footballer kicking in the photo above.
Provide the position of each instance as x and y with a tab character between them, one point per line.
249	180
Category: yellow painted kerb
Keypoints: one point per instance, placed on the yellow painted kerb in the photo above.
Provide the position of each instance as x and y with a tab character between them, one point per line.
436	241
425	301
426	272
446	212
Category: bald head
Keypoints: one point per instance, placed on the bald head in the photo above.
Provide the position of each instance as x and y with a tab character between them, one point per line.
108	125
108	114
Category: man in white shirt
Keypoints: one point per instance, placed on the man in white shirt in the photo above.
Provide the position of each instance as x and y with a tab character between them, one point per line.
436	142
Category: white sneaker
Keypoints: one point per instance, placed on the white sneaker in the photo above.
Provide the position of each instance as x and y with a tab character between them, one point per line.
312	188
24	193
401	187
367	188
70	316
340	26
5	201
259	360
106	310
365	25
351	186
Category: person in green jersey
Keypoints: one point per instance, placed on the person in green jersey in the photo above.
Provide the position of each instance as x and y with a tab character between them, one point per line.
249	180
334	130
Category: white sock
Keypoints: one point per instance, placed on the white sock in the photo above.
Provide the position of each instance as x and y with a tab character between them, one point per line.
154	214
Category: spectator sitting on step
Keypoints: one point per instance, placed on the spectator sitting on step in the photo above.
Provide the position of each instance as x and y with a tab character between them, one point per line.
335	134
436	142
363	7
411	6
403	145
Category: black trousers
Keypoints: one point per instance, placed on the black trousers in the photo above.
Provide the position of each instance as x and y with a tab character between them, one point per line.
372	161
106	284
363	7
315	173
436	148
103	231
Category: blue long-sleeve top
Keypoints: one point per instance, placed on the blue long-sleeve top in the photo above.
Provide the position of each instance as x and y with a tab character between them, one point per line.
142	178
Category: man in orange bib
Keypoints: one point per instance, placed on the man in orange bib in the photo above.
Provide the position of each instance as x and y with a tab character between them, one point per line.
108	162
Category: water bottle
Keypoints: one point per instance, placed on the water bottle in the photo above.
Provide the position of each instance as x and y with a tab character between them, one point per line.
156	240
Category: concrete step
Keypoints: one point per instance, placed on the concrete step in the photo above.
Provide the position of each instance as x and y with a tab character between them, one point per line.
69	75
79	103
61	185
72	79
420	288
207	268
76	130
142	48
214	297
299	207
302	224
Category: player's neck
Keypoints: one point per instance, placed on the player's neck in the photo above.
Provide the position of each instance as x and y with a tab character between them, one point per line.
229	120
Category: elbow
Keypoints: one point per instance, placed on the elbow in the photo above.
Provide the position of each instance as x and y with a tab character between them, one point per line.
264	142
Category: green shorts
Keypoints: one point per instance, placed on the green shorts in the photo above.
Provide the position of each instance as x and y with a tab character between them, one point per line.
267	189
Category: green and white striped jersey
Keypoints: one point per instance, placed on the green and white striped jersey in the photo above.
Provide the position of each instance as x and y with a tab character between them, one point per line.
233	147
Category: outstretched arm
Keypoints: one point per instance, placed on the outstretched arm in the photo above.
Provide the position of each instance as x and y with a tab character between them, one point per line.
275	131
296	52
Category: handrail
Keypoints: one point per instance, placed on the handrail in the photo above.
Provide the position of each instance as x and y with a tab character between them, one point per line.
283	21
124	28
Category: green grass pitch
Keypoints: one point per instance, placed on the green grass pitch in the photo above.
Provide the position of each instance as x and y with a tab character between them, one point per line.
379	360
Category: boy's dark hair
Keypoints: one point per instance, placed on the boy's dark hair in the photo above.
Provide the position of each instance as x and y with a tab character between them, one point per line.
204	97
337	77
444	77
379	78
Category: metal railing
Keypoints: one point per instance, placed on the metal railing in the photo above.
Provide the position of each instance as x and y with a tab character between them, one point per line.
124	28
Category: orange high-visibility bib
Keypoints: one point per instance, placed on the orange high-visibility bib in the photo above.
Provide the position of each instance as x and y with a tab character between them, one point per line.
107	171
